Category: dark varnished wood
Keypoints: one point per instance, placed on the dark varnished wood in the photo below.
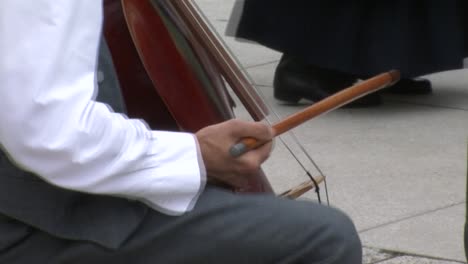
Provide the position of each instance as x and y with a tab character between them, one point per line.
166	76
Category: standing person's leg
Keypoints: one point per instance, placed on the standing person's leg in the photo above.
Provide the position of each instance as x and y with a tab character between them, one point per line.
317	61
222	228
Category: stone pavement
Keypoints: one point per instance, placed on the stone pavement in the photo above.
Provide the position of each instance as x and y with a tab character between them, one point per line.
399	170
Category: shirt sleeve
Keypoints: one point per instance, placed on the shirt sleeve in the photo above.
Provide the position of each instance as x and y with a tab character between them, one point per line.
51	125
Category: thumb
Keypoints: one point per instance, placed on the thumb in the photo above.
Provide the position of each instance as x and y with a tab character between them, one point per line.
258	130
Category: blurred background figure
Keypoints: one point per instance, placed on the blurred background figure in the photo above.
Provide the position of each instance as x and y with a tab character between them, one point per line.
328	45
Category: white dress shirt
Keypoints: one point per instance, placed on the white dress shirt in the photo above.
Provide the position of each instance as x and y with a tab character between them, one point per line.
50	123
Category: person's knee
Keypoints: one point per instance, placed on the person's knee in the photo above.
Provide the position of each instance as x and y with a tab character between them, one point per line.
304	232
342	237
329	234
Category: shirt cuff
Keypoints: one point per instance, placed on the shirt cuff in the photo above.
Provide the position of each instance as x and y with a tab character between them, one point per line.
180	174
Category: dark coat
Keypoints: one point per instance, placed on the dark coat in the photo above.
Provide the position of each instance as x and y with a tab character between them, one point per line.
362	37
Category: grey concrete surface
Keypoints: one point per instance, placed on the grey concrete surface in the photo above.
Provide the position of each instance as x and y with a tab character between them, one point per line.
399	170
416	260
426	234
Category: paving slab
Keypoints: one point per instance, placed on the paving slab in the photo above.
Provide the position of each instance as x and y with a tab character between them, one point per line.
434	234
450	90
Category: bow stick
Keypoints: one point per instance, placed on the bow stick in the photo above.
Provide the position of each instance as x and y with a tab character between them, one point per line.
332	102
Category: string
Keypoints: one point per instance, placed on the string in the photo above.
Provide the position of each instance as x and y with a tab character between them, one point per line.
193	8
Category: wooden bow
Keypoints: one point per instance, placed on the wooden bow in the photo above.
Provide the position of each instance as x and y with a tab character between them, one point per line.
328	104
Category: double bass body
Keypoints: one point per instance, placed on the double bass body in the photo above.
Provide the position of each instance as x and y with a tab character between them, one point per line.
164	74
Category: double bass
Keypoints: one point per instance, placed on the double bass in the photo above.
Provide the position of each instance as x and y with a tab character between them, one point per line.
170	63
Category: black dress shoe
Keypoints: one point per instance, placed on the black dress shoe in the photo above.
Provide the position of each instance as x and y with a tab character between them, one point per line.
406	86
295	80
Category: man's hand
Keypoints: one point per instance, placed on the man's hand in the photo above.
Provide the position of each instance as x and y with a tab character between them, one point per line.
215	142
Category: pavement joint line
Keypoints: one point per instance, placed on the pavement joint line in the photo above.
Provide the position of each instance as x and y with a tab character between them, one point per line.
411	216
397	254
263	85
382	260
395	100
399	101
386	259
260	65
426	104
392	254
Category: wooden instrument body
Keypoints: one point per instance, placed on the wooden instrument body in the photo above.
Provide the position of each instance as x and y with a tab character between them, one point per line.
166	78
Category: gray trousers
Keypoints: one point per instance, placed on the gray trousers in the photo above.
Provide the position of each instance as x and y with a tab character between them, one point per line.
222	228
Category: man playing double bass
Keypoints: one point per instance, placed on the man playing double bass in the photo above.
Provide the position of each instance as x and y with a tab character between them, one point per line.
80	183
